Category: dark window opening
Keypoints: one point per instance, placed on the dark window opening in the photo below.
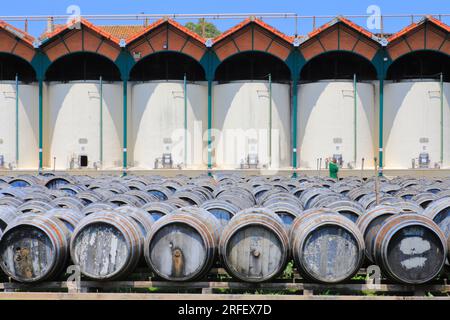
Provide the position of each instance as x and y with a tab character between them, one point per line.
253	66
338	65
10	66
167	66
420	65
83	66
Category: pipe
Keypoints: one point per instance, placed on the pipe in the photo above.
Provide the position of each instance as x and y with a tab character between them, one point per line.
101	120
209	123
41	90
125	102
185	119
442	117
17	120
355	124
380	125
294	123
270	120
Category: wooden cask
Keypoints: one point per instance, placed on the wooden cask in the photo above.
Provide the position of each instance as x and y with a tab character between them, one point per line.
370	223
7	215
326	247
70	217
159	209
254	245
221	209
106	245
349	209
34	248
182	245
439	212
410	248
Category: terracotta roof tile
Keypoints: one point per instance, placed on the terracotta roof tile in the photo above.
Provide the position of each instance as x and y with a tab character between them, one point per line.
17	32
171	22
259	22
123	31
415	25
61	28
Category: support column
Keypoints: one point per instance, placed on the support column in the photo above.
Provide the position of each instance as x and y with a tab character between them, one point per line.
125	116
209	123
41	93
380	130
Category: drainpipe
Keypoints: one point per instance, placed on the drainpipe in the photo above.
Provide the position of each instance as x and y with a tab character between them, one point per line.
17	120
355	123
441	79
294	124
270	120
380	125
209	123
101	120
41	85
125	102
185	119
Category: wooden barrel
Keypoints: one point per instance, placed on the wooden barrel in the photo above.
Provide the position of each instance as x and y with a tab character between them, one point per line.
369	224
326	247
68	202
10	201
34	248
439	212
142	195
349	209
97	206
254	245
410	248
126	199
70	217
140	216
182	246
35	206
287	211
423	199
106	245
159	209
222	210
162	193
7	215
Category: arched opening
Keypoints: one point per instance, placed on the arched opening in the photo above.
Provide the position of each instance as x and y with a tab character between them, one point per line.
82	66
252	65
167	66
420	65
11	65
338	65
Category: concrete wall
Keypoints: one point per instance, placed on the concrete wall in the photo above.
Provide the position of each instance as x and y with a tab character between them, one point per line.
72	114
28	125
326	115
241	111
157	112
412	112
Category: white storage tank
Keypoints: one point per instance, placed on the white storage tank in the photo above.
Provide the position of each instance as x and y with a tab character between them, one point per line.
27	124
158	121
412	123
326	123
78	123
241	116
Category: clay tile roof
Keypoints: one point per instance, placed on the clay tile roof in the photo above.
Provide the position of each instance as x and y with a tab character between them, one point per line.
123	32
345	21
258	22
171	22
415	25
63	27
17	32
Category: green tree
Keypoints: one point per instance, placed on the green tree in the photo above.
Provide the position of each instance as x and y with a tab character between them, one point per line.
203	28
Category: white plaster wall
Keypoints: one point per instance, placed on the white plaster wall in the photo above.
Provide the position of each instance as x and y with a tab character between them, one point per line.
157	112
412	111
28	125
241	111
72	113
325	112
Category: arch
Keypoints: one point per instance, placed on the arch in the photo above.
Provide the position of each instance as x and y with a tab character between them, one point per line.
428	34
420	64
167	65
252	65
252	35
16	42
340	35
338	64
166	35
11	64
82	65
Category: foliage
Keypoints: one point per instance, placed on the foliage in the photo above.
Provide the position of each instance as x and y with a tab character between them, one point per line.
203	28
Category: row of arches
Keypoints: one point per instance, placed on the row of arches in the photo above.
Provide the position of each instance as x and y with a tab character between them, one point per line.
242	66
